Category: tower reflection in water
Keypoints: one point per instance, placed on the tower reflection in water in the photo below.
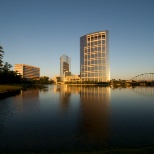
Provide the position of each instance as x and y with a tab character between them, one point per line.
65	95
93	114
94	124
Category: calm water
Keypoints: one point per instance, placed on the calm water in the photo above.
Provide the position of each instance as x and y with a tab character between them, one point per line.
61	118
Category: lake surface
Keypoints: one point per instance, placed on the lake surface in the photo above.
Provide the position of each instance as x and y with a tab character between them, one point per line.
77	118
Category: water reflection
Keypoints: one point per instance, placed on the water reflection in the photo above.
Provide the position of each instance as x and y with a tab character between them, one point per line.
18	120
94	124
64	95
33	93
27	100
93	118
141	90
75	118
148	91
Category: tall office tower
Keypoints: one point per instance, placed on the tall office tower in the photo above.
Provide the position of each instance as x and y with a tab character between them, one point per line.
65	66
27	71
94	57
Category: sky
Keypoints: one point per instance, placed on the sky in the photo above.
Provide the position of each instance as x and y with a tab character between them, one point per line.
38	32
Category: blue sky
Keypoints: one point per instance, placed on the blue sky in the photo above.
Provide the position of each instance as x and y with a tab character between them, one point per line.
38	32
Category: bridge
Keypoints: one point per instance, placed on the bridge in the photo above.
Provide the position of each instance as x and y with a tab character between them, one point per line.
148	77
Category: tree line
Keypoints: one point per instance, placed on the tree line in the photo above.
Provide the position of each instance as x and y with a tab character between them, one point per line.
8	76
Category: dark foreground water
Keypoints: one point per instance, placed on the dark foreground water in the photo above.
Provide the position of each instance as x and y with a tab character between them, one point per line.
65	119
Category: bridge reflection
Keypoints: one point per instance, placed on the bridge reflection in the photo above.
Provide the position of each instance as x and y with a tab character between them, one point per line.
147	91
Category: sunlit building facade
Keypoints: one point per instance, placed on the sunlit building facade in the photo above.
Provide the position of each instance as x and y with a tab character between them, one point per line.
65	66
27	71
94	57
72	79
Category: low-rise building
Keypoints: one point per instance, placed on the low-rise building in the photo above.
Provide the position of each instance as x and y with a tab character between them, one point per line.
72	79
56	79
27	71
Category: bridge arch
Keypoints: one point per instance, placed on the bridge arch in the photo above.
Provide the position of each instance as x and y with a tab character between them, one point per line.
144	77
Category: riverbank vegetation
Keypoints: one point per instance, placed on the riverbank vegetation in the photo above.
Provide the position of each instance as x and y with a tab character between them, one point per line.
16	87
11	80
7	76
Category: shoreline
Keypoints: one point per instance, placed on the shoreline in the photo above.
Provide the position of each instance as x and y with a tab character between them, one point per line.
9	88
14	89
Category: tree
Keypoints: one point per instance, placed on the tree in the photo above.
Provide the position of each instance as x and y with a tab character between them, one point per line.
44	80
6	67
1	57
6	75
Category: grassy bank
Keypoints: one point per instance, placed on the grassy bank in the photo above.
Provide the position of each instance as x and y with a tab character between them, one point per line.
9	88
12	88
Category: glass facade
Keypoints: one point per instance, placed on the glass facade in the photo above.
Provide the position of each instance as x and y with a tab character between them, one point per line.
65	65
27	71
94	57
